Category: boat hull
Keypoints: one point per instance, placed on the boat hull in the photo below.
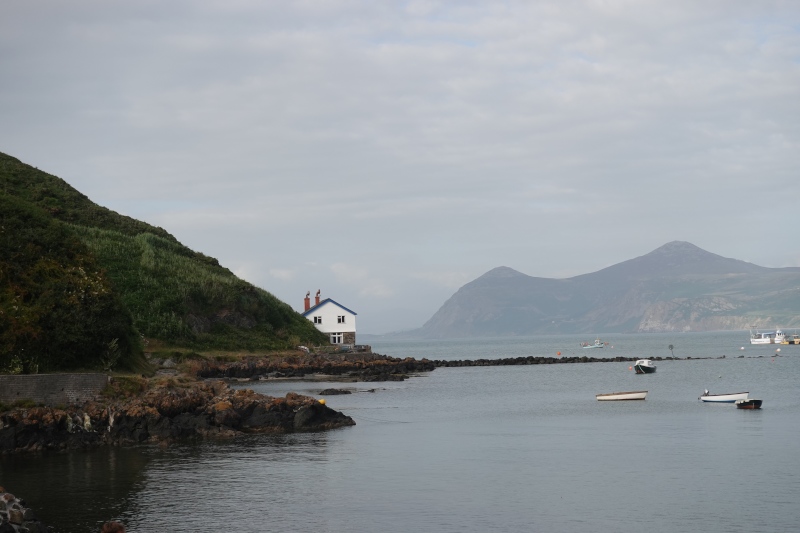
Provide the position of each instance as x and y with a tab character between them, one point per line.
596	344
748	403
767	337
618	396
762	341
644	366
724	398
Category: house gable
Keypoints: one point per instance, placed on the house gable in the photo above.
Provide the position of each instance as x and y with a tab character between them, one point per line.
334	319
325	302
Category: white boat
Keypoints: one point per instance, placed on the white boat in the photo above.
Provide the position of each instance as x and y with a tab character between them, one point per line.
644	366
723	398
597	344
631	395
767	337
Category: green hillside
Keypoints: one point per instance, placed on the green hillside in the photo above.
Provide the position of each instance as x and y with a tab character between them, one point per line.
152	285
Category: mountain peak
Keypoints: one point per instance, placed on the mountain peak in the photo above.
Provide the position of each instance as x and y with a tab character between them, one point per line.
502	272
679	258
681	248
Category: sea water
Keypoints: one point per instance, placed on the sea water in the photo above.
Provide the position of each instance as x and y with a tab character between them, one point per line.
475	449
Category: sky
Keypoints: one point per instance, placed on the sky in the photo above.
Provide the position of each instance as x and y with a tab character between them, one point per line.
386	153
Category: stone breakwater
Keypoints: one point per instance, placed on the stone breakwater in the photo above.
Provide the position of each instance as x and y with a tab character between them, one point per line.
373	367
208	409
15	517
531	360
353	367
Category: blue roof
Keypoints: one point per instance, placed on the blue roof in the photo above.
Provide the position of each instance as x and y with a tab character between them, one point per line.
326	300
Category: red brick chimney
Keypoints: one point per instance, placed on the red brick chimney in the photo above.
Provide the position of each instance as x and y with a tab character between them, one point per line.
307	301
316	300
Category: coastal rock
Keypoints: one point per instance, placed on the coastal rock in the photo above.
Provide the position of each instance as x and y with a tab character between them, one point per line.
16	517
334	392
202	410
350	366
316	415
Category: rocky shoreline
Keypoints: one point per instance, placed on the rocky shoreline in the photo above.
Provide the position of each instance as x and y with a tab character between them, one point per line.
16	517
165	413
209	408
369	367
532	360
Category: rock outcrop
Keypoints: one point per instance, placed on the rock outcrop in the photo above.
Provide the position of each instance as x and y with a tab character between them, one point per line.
353	367
16	517
205	409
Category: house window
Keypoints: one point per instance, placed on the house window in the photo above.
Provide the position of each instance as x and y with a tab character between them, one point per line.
340	319
336	338
317	320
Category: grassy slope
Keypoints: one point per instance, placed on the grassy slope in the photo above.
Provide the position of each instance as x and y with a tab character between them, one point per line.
57	307
175	295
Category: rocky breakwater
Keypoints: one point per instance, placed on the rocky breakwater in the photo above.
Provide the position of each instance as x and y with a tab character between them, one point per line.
15	517
163	413
531	360
344	367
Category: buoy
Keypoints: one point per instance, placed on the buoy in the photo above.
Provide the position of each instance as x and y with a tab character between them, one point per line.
322	401
778	350
558	353
742	348
630	368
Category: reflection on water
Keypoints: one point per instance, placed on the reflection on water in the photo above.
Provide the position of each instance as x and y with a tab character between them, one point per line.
252	480
75	491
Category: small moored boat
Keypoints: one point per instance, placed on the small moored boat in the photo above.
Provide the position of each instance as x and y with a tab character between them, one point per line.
723	398
644	366
597	344
748	403
631	395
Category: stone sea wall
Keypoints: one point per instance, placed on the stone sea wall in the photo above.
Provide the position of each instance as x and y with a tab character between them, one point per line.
51	389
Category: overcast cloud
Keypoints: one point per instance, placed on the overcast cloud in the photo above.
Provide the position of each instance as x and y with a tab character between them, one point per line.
389	152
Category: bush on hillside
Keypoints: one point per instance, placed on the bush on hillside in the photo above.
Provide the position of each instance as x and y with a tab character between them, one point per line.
57	307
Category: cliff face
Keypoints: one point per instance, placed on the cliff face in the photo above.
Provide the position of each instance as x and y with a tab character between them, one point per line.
677	287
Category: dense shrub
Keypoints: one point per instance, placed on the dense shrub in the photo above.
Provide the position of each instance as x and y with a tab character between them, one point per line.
79	283
58	310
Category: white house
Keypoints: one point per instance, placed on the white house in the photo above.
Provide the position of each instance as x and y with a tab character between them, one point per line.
332	318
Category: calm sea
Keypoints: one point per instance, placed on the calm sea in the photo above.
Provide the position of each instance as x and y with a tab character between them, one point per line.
478	449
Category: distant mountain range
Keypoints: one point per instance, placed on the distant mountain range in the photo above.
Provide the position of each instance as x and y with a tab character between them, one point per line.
677	287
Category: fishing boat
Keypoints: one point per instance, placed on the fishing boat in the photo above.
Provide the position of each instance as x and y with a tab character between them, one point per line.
748	403
723	398
596	344
632	395
644	366
766	337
